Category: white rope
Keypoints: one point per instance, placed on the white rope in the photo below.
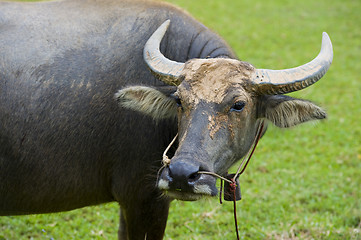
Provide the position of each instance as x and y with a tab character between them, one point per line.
166	160
215	175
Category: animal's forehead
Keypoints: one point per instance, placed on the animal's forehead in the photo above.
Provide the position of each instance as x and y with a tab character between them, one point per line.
211	79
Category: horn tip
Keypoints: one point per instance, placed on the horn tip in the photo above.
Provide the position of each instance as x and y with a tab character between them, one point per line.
327	44
162	28
325	37
166	23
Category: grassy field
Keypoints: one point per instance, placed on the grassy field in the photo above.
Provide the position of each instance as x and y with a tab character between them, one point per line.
303	183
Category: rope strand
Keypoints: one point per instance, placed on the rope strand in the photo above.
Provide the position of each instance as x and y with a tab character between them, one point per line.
166	160
255	142
215	175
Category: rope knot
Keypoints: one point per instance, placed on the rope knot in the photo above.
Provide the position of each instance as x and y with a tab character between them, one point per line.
166	160
233	186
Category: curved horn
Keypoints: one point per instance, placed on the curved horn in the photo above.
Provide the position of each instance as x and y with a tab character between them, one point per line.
289	80
167	70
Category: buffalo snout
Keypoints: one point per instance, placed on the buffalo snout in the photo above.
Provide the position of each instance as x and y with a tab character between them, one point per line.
183	180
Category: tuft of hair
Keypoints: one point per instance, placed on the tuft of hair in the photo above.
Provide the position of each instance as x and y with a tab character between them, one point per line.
148	101
293	112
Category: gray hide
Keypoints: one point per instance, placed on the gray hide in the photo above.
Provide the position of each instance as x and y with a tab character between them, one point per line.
64	141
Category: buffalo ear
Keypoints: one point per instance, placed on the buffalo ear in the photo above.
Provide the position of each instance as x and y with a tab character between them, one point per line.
148	101
284	111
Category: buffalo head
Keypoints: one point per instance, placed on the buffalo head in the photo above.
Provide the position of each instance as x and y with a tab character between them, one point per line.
219	104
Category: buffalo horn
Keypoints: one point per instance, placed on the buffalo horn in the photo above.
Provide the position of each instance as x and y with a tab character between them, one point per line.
274	82
166	70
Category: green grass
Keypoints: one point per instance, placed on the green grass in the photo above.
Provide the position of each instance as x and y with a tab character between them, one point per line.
302	183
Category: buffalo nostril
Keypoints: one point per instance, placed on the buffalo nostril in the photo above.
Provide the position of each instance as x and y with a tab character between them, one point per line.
183	174
194	177
186	176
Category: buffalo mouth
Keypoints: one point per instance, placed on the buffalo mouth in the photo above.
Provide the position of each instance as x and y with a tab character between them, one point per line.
193	189
185	196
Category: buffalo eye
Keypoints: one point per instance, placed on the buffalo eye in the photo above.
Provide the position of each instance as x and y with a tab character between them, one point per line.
177	100
238	106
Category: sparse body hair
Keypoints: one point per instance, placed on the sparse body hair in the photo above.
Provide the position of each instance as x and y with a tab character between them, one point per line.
93	91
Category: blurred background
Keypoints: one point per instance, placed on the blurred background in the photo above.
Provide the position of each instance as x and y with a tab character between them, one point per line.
303	182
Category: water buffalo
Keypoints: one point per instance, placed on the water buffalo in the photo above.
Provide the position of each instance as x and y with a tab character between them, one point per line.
88	104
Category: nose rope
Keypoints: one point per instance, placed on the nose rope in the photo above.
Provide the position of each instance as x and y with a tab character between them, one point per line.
240	170
215	175
250	153
166	162
165	159
242	166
